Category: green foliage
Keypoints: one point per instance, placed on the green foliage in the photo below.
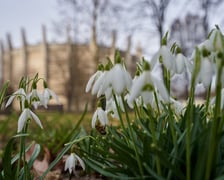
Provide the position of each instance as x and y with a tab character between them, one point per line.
113	154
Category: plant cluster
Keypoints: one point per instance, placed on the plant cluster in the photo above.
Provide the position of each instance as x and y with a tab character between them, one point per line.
158	137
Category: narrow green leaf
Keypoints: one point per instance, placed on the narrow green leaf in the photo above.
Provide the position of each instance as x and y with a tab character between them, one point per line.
3	92
6	161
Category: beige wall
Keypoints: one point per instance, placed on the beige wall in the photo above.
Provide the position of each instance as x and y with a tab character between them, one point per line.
59	75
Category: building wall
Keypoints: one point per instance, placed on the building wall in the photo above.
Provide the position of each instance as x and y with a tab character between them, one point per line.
66	67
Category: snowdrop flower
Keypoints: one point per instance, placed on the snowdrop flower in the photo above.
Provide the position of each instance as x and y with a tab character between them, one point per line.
207	44
47	95
145	85
34	97
99	116
25	115
71	162
164	56
19	93
94	77
206	72
118	79
182	64
99	81
111	107
216	39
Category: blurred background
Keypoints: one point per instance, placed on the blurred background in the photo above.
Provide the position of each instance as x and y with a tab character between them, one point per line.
64	40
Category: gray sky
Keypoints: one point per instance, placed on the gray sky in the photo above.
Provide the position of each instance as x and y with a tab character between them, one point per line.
31	14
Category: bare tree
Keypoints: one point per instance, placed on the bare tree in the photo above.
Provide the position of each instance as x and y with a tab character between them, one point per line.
158	11
91	21
206	5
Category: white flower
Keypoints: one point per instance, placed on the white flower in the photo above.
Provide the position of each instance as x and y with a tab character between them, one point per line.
111	107
47	95
206	72
101	116
34	97
216	39
92	80
207	44
25	115
98	83
71	162
145	85
166	57
19	93
118	79
182	64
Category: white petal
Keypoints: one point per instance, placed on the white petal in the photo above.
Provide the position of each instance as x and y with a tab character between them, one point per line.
36	119
90	82
155	59
106	83
94	118
98	83
168	58
147	97
207	44
70	163
206	72
117	79
137	87
80	161
22	119
102	117
180	63
53	94
161	88
10	100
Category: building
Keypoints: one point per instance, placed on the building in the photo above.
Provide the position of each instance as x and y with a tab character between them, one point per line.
66	66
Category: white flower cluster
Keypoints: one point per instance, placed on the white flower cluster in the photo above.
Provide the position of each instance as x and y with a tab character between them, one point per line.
114	81
29	99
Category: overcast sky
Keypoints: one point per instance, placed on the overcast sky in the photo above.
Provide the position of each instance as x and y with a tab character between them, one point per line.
32	14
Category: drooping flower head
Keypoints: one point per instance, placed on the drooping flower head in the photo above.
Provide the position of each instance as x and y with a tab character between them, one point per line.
164	56
26	115
72	161
99	116
117	78
145	85
94	77
47	95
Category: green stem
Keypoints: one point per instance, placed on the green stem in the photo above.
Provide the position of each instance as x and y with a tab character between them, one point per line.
174	137
119	112
22	153
188	126
166	78
215	125
136	110
157	103
132	137
208	98
151	124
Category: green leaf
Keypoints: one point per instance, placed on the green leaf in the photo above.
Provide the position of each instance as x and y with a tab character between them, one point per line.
74	135
8	172
3	92
29	165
